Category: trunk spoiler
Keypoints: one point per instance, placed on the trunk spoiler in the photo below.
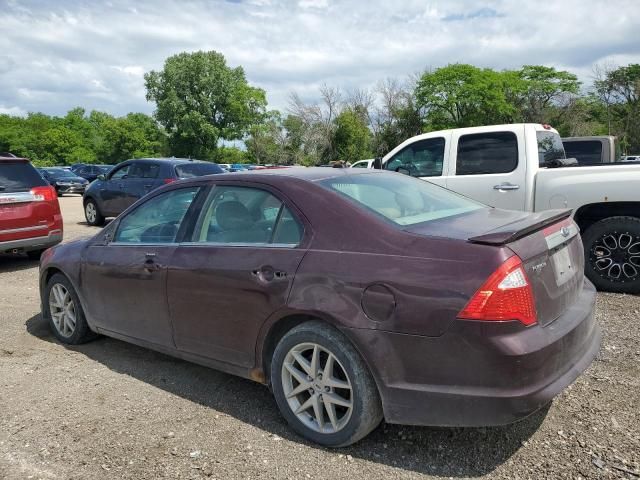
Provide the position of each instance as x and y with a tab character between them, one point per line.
521	228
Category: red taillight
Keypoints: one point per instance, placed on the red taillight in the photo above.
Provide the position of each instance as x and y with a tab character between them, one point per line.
44	194
168	180
506	295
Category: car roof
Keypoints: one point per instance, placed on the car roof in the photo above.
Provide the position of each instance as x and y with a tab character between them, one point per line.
309	174
169	160
13	159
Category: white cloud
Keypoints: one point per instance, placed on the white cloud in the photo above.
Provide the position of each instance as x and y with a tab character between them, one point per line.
15	111
57	55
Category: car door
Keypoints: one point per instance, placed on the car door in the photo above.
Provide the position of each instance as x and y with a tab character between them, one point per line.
490	167
125	279
112	191
423	158
142	179
235	272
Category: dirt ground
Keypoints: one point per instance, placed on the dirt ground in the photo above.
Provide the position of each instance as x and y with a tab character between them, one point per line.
108	409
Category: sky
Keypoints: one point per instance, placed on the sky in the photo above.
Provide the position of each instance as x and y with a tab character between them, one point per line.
59	54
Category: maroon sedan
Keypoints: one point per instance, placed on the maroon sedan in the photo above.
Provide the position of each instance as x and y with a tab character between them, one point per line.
356	295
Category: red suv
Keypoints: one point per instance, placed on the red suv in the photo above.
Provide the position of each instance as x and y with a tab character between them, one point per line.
30	218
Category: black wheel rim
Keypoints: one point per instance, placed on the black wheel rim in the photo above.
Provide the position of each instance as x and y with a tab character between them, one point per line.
615	256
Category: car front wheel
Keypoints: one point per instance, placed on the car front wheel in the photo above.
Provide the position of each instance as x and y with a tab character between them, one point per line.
63	311
612	254
92	213
322	386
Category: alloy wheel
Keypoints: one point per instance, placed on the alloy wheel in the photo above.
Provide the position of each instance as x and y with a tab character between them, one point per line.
90	212
317	388
616	257
62	310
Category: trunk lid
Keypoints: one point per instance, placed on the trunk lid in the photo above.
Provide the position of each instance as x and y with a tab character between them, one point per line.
548	243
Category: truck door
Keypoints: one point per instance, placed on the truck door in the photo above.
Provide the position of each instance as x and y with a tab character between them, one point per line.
423	158
490	167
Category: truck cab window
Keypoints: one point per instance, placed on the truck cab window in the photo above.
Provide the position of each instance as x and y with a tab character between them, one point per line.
485	153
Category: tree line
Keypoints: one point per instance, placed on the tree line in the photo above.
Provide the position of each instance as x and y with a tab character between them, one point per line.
205	109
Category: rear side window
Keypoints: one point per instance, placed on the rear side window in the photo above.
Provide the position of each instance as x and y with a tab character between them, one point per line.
423	158
587	152
144	170
245	215
550	148
19	177
189	170
485	153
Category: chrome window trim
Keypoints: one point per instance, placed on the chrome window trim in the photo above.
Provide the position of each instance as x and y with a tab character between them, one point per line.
239	244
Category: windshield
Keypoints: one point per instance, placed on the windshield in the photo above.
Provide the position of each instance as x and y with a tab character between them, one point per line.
399	198
189	170
550	148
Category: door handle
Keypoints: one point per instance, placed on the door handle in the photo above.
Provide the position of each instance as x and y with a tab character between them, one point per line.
506	186
148	186
151	266
268	274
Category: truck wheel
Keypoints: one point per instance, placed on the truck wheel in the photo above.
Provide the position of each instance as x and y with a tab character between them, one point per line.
92	213
322	387
612	254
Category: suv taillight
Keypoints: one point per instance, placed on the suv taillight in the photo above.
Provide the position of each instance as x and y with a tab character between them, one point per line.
169	180
506	295
44	194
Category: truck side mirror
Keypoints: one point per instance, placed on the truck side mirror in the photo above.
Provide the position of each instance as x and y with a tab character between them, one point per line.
377	163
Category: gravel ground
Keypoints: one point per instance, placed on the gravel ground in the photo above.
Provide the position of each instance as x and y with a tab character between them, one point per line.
108	409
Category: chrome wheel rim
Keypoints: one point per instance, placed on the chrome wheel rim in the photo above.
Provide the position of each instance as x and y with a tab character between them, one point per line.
317	388
62	310
616	257
90	212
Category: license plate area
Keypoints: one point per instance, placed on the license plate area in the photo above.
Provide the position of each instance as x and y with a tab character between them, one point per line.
563	267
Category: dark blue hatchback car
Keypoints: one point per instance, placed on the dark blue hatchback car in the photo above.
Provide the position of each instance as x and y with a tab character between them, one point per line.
111	194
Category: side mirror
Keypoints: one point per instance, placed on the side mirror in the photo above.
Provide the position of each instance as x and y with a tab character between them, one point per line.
377	163
101	177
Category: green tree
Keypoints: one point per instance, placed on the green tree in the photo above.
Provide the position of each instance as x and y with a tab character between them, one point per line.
200	101
352	137
541	88
461	95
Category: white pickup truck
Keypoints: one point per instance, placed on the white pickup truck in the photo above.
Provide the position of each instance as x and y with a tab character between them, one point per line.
523	167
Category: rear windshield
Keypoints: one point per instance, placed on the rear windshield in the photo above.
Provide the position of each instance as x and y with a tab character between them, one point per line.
19	177
587	152
550	147
399	198
189	170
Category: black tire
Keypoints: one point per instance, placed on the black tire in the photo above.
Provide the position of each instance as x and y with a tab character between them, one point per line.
35	254
58	193
81	333
366	412
96	221
624	234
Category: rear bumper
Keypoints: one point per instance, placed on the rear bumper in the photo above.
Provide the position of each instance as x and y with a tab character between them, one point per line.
480	373
33	243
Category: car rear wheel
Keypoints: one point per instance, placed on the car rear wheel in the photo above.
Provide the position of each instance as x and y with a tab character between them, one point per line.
612	254
63	311
322	386
92	214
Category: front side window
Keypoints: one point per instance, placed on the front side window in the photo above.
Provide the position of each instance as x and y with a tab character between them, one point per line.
120	173
550	148
402	200
423	158
245	215
485	153
158	219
